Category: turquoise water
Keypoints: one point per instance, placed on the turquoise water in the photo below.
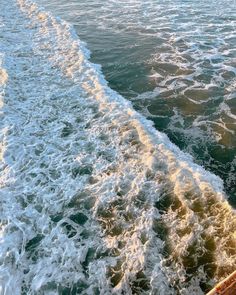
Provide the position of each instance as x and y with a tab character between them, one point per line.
176	61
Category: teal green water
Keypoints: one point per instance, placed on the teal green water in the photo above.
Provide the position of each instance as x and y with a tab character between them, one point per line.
176	61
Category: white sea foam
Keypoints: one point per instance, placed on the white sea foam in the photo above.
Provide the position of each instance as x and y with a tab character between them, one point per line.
94	200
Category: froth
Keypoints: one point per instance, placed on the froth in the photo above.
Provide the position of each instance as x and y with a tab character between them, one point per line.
98	201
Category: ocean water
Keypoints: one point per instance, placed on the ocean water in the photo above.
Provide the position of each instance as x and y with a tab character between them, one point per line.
94	199
176	61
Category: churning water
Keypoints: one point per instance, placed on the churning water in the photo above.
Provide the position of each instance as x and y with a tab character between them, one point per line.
176	60
95	200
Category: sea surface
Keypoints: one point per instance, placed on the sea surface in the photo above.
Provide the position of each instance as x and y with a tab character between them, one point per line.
176	61
117	156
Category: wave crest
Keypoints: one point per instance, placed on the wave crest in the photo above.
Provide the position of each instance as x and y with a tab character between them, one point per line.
99	201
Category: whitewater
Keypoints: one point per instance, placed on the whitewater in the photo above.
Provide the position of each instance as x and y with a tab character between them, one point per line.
94	200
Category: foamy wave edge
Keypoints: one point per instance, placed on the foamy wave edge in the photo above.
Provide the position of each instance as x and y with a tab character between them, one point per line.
187	180
147	132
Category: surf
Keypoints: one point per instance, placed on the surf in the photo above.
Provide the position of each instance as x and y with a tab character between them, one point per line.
94	200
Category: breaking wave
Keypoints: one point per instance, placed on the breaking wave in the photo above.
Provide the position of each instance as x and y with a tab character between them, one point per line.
94	200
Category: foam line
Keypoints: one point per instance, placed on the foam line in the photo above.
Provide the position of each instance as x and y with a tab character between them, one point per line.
94	200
